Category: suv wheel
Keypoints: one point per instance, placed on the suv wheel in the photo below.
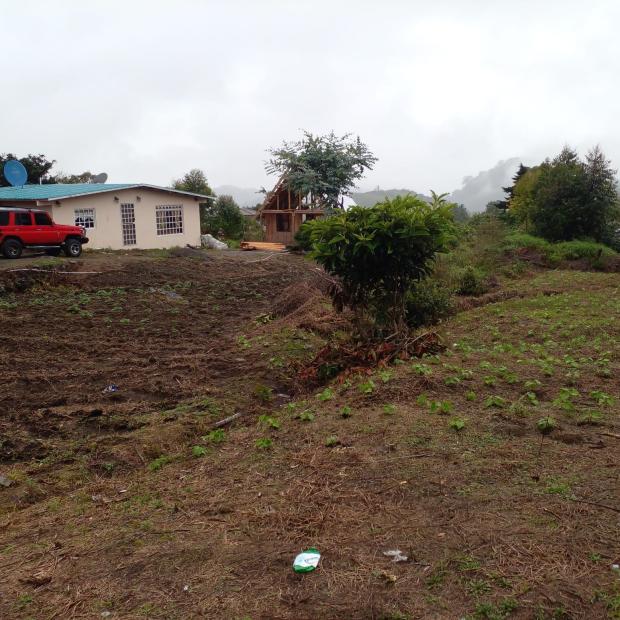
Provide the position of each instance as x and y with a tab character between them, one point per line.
12	248
73	248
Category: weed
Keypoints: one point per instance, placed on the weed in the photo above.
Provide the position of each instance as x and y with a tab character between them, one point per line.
199	451
490	381
457	424
216	436
422	369
269	422
545	425
326	394
451	381
386	375
306	416
601	398
368	387
495	401
159	462
478	587
468	563
263	393
389	409
531	398
591	418
345	412
264	443
441	407
243	342
331	441
564	400
422	400
470	396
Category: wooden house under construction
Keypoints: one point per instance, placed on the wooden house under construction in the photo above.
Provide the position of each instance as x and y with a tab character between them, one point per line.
283	212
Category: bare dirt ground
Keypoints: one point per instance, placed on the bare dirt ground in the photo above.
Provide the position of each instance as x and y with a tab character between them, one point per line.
130	504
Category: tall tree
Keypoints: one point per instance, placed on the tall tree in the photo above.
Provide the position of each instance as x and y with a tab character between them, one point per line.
37	166
194	181
509	191
322	167
566	198
85	177
223	218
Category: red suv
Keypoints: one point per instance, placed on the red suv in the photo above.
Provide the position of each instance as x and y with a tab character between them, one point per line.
31	228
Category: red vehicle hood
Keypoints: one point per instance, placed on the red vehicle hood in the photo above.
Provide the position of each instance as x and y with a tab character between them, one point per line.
68	229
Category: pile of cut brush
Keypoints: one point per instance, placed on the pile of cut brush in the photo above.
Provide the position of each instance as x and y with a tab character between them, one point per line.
341	360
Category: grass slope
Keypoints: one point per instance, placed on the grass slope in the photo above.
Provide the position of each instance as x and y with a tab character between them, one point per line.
440	458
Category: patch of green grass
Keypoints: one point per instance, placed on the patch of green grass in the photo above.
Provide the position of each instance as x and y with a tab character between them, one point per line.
331	441
215	436
457	424
326	394
199	451
264	443
159	462
389	409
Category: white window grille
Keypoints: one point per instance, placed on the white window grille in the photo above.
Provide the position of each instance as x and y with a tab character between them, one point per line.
169	219
128	222
84	218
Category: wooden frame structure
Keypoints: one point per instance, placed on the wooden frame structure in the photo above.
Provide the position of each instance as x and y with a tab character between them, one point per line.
283	212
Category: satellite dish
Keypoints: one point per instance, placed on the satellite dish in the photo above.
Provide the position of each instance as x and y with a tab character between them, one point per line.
102	177
15	173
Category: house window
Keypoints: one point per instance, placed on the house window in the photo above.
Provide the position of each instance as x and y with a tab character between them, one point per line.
283	222
84	218
128	223
169	219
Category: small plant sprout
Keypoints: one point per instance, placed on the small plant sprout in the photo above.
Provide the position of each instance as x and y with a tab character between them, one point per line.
269	422
602	399
389	409
368	387
264	443
263	393
243	342
544	426
326	394
345	412
422	400
215	436
531	398
470	396
591	418
306	416
422	369
532	384
495	401
199	451
564	400
452	380
386	375
331	441
490	381
441	407
457	424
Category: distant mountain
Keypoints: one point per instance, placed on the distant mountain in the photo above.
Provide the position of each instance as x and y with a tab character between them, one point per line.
244	196
486	186
370	199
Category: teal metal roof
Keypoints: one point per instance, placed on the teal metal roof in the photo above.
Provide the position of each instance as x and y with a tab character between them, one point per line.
58	191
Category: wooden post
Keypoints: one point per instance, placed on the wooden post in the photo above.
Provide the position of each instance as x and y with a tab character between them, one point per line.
289	199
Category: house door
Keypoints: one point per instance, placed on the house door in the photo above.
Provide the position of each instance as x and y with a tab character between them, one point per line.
128	222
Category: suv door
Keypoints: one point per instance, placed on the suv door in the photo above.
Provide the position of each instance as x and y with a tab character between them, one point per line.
44	229
23	227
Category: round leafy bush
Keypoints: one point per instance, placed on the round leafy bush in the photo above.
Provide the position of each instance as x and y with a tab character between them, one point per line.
471	282
428	302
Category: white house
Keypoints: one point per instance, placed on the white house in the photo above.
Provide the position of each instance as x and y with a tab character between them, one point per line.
117	215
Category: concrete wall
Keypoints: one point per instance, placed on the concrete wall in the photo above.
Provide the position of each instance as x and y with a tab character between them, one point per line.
108	230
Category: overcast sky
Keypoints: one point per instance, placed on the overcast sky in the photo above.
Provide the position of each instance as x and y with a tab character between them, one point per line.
146	90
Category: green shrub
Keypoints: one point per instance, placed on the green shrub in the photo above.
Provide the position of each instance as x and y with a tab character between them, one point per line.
377	254
594	253
518	241
428	302
471	282
303	236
